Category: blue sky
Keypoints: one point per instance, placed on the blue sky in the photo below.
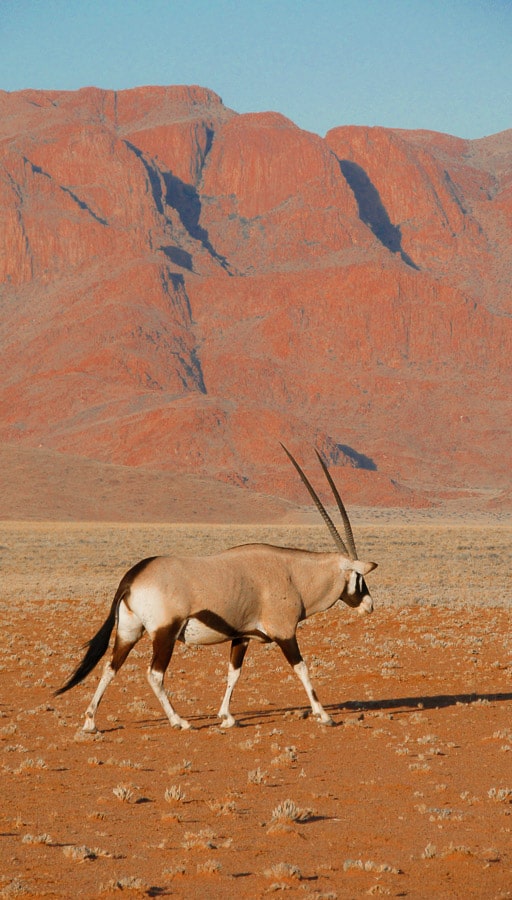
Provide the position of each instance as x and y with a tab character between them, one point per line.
444	65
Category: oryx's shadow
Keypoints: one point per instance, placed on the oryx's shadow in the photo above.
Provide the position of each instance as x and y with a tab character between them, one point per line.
247	718
435	701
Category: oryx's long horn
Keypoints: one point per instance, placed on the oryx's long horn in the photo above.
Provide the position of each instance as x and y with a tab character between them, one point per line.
338	540
343	512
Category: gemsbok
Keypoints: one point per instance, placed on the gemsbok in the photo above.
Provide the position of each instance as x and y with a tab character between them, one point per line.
251	592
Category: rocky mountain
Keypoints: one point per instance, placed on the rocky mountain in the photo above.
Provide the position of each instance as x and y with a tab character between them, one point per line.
182	287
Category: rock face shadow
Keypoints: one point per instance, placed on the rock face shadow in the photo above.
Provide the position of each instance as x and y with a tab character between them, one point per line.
185	199
372	210
170	191
357	459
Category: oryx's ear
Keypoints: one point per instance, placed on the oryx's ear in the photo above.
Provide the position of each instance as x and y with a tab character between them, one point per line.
357	565
362	568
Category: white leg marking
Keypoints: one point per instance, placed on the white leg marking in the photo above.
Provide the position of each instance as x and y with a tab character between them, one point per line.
156	680
301	670
89	725
224	713
129	625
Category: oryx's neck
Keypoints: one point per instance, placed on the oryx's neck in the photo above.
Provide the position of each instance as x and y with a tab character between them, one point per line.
319	578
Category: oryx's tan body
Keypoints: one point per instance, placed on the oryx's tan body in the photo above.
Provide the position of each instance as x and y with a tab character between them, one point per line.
251	592
256	590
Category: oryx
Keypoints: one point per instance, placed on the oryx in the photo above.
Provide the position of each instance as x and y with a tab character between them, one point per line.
250	592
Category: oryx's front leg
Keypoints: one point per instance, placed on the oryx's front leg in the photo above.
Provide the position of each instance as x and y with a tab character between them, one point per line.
163	646
292	653
238	651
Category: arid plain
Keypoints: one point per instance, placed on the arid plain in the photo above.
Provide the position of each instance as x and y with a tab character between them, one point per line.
410	795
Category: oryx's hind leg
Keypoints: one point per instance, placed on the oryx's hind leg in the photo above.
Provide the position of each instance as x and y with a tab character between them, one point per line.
238	651
129	631
292	653
163	646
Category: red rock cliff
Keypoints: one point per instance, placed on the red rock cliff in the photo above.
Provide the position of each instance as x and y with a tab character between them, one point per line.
183	287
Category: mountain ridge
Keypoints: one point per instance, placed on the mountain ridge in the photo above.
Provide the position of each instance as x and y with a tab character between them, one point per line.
183	286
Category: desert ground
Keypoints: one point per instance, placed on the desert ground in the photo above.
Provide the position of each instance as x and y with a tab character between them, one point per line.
409	795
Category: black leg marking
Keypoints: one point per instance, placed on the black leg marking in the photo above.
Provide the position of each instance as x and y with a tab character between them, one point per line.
291	650
238	650
120	652
163	646
292	653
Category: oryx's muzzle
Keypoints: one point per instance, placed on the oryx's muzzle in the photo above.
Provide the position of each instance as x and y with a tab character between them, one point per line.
366	606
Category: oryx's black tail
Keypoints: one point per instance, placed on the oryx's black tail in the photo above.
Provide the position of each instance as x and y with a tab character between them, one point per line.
96	648
98	645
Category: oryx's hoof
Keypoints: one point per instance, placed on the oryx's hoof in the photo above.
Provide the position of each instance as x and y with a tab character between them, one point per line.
328	722
89	726
229	722
182	724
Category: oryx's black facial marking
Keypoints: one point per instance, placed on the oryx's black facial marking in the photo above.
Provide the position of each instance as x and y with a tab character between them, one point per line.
355	590
353	585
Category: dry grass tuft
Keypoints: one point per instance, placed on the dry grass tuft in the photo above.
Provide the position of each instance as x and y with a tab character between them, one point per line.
174	794
286	814
209	867
289	811
37	839
13	888
370	866
500	795
221	807
257	776
79	854
123	793
181	768
174	871
203	840
128	883
286	758
283	872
